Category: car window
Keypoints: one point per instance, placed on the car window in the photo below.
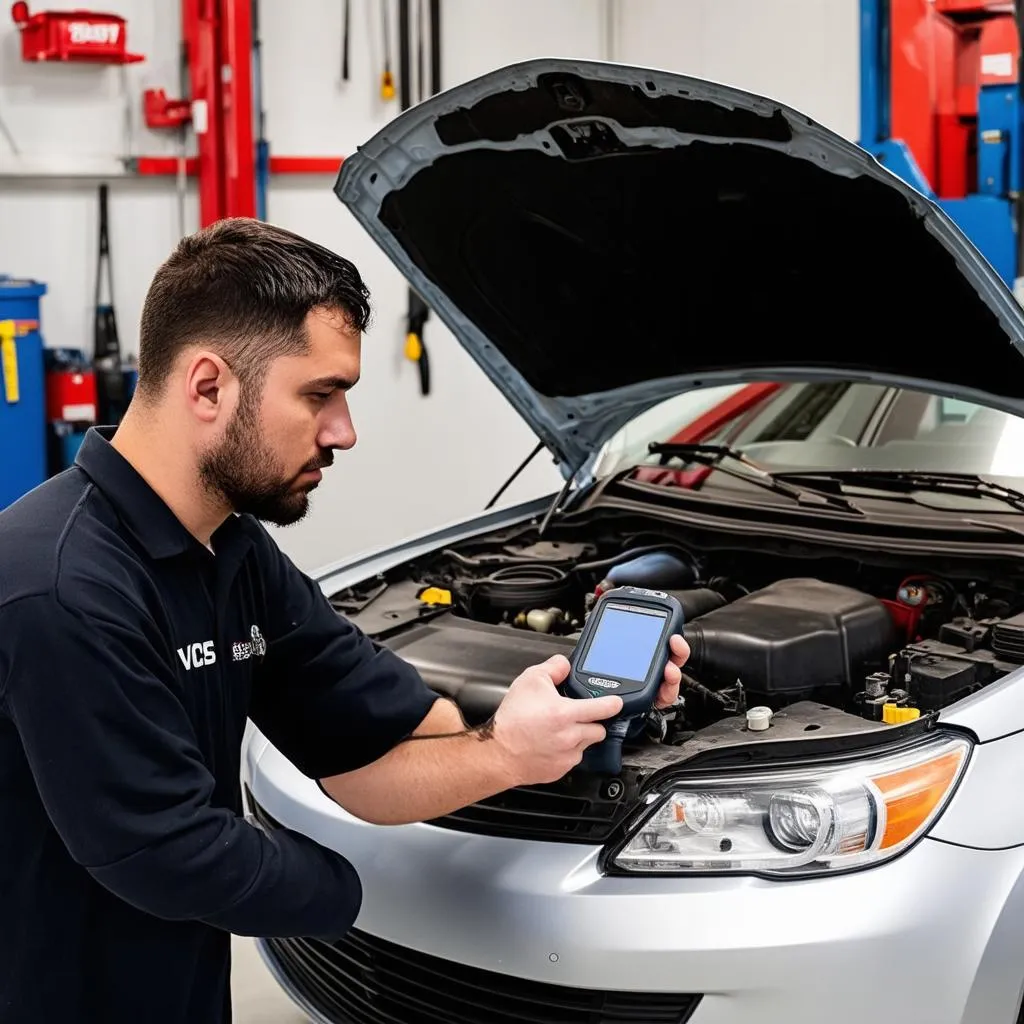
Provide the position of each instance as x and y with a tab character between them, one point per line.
841	425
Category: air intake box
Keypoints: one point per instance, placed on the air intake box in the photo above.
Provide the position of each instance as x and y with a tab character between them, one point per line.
792	637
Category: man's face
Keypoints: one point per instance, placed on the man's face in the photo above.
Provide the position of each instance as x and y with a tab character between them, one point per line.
271	453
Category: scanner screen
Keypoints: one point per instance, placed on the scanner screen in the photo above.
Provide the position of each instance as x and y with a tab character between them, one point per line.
625	643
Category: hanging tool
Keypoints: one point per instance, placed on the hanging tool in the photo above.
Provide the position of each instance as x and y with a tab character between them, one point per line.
435	46
404	54
346	27
421	17
106	346
387	79
418	311
415	348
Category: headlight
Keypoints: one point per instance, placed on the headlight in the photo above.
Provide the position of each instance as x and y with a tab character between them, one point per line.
802	821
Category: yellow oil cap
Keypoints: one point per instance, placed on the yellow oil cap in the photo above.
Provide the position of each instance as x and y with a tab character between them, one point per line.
893	715
435	595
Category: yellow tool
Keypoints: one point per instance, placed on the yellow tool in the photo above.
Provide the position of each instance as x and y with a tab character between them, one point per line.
9	360
387	79
413	346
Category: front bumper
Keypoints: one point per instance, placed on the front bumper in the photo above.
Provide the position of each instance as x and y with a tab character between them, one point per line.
932	937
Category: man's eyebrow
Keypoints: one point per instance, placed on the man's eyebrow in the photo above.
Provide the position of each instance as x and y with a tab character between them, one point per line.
341	383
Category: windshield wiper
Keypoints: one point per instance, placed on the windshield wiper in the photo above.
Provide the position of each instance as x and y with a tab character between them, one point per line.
907	481
714	456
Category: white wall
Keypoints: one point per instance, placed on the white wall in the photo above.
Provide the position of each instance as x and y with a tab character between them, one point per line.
419	462
800	52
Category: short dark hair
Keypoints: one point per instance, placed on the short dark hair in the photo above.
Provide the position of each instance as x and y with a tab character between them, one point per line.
245	288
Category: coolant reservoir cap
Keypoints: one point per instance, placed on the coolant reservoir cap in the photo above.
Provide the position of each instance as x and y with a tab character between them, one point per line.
758	719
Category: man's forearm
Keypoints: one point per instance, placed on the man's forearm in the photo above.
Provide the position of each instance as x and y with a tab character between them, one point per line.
443	767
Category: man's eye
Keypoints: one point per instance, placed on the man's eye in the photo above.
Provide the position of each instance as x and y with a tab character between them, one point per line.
320	396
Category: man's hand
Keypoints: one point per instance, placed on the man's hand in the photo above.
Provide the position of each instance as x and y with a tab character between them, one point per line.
542	735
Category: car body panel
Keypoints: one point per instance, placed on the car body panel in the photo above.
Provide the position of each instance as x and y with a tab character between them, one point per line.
658	119
987	811
793	952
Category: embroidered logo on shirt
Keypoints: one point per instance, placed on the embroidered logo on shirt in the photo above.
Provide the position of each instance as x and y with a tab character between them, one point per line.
254	648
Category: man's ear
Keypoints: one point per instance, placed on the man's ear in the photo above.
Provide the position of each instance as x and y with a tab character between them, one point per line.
210	385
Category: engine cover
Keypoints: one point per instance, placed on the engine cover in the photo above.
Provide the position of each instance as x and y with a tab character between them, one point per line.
792	637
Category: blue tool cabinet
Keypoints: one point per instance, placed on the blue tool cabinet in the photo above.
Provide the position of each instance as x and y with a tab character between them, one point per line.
22	389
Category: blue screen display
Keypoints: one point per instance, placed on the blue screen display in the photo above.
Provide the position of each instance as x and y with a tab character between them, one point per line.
625	643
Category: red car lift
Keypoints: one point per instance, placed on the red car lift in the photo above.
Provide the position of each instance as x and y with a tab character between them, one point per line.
218	38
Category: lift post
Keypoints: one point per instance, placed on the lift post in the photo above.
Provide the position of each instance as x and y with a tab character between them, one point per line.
218	37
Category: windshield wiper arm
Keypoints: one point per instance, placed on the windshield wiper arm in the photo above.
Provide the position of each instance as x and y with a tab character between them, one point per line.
714	456
906	481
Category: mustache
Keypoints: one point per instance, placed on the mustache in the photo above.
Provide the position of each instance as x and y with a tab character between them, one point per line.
322	461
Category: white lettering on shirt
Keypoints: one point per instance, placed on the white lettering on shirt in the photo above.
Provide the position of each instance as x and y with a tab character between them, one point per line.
197	655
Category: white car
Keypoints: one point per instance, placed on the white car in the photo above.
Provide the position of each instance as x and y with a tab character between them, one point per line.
832	380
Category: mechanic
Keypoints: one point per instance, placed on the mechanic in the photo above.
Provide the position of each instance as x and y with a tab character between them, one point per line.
145	612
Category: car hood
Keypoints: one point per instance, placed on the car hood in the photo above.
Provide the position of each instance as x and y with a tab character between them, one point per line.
602	237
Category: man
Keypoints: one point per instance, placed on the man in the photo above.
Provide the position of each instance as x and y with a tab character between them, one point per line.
145	613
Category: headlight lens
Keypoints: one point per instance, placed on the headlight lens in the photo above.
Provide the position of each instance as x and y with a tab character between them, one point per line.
812	820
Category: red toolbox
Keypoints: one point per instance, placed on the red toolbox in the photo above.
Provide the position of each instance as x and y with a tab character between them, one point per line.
70	388
76	35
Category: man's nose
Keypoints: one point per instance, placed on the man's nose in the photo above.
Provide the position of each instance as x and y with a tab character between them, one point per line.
337	431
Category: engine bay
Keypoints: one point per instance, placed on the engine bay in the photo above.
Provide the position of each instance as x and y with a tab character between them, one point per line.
832	645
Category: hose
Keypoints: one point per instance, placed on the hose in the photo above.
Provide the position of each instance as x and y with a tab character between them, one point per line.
623	556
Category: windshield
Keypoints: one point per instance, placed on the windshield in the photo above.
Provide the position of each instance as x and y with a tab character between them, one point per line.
829	425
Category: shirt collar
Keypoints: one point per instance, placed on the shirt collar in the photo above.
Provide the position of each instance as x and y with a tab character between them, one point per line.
138	506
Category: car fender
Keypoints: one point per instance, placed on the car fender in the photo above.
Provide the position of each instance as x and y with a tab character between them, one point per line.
991	713
987	810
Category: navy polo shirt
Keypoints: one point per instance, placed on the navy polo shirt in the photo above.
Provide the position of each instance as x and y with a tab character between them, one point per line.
130	656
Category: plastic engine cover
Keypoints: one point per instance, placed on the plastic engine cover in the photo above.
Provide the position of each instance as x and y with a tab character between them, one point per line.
791	637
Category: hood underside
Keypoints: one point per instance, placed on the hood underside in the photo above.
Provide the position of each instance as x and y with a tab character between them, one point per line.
602	237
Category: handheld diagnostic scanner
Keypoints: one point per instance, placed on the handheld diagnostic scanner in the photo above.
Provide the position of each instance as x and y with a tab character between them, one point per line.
622	650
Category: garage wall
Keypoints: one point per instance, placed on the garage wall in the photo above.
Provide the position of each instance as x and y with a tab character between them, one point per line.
419	462
801	52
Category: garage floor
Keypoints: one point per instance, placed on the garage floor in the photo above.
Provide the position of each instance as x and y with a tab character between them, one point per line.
257	998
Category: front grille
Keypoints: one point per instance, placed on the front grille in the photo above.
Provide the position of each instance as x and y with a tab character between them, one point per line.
365	980
580	810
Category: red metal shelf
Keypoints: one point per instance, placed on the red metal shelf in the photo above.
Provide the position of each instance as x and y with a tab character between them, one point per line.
168	165
78	36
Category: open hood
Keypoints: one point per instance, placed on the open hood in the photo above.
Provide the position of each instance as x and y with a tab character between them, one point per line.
602	237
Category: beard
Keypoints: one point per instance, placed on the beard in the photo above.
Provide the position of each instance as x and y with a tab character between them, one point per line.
242	471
